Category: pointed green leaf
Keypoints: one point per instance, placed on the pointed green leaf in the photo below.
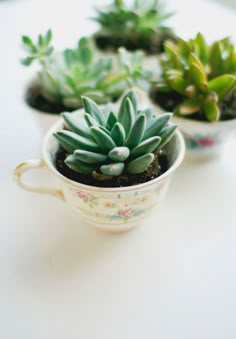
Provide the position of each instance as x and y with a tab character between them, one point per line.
211	111
92	108
114	169
140	164
78	166
90	157
119	153
165	135
203	49
222	85
146	146
156	124
136	132
71	141
90	120
177	83
148	112
103	139
111	120
77	125
118	134
131	95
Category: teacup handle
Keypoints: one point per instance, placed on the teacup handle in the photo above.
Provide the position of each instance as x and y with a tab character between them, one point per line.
28	165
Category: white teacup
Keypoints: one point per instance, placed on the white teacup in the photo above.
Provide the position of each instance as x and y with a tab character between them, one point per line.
114	209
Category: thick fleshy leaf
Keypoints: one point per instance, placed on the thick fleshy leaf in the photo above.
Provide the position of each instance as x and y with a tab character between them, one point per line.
78	166
119	153
71	141
141	164
148	112
111	120
118	134
211	111
177	83
77	125
114	169
92	108
156	124
128	117
165	135
203	49
188	107
146	146
136	132
90	157
216	59
90	120
222	85
196	75
131	95
103	139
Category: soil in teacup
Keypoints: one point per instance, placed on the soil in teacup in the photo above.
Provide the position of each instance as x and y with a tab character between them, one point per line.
110	43
158	167
169	100
35	99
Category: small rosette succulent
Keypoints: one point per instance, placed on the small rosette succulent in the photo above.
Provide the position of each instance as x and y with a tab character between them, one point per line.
107	146
142	22
200	76
65	76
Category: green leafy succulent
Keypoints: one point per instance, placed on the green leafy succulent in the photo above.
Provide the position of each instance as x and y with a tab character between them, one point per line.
121	142
201	75
134	26
65	76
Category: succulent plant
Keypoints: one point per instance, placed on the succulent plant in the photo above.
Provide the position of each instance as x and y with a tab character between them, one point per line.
65	76
141	23
107	145
200	76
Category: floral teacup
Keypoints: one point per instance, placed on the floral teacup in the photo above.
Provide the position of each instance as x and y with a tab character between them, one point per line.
115	209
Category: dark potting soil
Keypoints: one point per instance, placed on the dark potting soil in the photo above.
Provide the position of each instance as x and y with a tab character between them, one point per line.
168	102
34	98
110	43
158	167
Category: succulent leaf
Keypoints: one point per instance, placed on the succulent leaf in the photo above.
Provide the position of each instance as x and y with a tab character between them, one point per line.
141	164
92	108
222	85
119	153
113	169
118	134
111	121
78	166
137	131
89	157
74	141
76	125
146	146
103	139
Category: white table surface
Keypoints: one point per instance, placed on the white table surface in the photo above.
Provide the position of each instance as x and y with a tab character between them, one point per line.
173	278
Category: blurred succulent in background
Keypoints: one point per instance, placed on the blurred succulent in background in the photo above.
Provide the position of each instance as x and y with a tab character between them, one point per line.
107	146
65	76
141	25
198	79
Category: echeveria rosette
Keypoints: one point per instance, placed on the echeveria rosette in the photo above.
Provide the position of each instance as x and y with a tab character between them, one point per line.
139	20
125	141
203	75
67	75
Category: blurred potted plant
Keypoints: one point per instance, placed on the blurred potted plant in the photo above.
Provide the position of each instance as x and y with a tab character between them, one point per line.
64	76
113	165
198	84
142	25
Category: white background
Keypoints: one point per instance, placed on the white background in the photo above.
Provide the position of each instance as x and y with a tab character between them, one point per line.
173	278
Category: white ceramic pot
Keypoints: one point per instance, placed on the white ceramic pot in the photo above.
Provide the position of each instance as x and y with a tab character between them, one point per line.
114	209
204	140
